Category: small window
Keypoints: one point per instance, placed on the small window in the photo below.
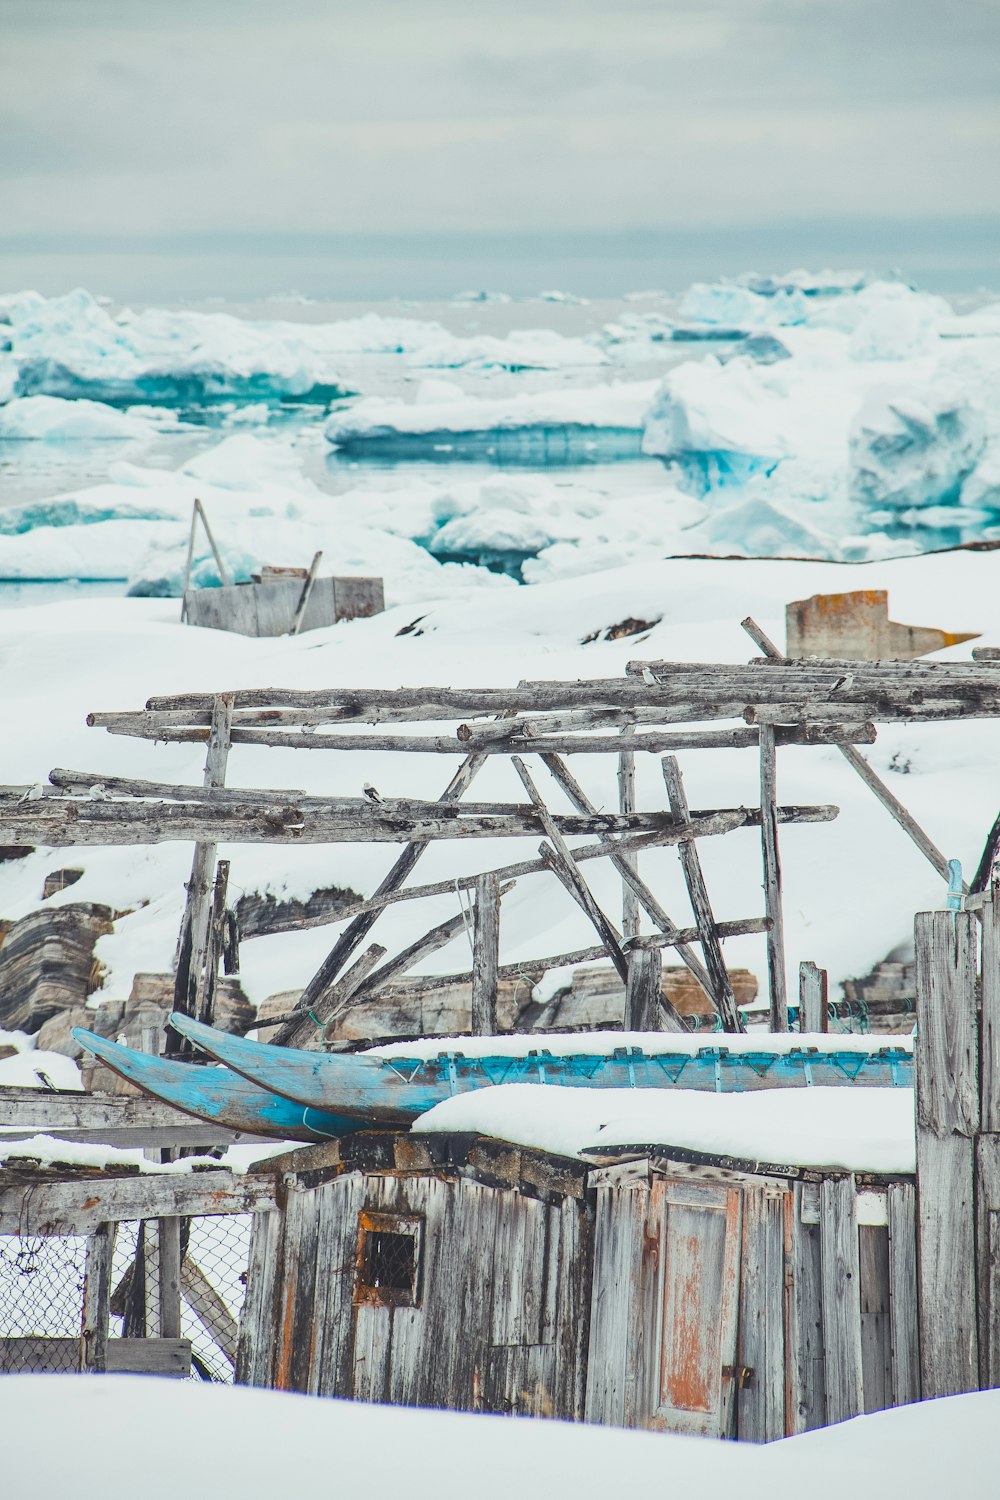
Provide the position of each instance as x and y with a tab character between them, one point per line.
387	1272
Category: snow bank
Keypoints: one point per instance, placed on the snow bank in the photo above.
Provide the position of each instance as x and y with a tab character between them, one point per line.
855	1130
29	1068
208	1429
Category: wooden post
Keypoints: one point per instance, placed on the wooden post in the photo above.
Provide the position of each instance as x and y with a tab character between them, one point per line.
721	990
169	1240
192	941
642	992
988	1143
207	979
97	1298
558	854
357	930
948	1116
841	1298
223	575
485	956
813	997
777	986
626	804
307	588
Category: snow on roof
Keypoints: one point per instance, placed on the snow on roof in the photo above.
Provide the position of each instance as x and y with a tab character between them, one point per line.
653	1043
850	1129
46	1150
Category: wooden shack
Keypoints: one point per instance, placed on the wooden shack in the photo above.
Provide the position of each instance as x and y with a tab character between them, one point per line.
712	1296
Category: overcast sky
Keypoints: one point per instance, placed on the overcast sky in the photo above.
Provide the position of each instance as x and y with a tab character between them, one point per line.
166	119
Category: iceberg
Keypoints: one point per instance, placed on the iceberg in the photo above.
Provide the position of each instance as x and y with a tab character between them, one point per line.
52	419
73	347
913	447
570	426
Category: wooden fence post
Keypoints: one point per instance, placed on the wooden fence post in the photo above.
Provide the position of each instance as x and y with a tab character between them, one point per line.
988	1147
813	997
841	1297
772	880
193	939
97	1298
642	992
946	1065
626	804
485	956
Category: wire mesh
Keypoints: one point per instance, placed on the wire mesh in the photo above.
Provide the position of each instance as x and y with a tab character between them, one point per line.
42	1283
41	1297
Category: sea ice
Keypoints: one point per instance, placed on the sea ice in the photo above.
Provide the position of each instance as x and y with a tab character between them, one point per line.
52	419
912	447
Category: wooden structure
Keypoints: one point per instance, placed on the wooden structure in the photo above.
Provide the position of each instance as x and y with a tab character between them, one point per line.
717	1297
272	607
657	708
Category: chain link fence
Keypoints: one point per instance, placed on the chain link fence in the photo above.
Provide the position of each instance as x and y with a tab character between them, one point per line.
42	1288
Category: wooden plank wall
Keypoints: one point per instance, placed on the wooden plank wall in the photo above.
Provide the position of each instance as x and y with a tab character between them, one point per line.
503	1310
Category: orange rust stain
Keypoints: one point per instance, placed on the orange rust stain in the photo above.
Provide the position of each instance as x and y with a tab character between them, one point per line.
90	1202
688	1375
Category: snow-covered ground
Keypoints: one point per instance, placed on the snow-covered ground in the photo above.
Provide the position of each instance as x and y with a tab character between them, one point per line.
241	1442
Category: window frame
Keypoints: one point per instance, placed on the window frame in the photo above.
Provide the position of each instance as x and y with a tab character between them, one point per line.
371	1222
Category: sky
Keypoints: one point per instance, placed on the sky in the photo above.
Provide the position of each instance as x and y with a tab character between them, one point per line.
184	143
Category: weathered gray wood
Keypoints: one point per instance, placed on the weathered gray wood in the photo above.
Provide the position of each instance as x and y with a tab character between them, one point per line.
777	984
761	1399
631	883
258	1335
904	1329
813	997
207	978
876	1332
946	1046
841	1299
307	589
208	1306
563	864
643	990
990	1017
854	759
988	1256
720	986
357	930
151	1356
431	941
616	1294
807	1354
188	560
169	1287
202	516
949	1342
78	1207
338	997
192	940
97	1298
485	956
626	804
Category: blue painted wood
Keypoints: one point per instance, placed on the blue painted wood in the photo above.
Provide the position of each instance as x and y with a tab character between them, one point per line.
217	1095
393	1091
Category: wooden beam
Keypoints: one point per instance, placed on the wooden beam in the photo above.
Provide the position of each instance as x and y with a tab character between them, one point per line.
813	997
97	1298
485	956
643	991
357	930
557	851
627	804
209	1308
777	984
78	1206
338	997
307	588
856	760
720	986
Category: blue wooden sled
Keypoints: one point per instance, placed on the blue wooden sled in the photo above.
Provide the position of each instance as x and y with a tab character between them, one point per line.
394	1090
216	1094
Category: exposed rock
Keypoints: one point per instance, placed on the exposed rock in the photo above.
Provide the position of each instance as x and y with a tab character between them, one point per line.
259	914
47	963
60	880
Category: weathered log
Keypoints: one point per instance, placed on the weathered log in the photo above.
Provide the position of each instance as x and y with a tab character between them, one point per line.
627	804
431	941
857	761
813	997
557	851
772	883
642	992
720	987
630	880
73	823
485	956
356	931
193	937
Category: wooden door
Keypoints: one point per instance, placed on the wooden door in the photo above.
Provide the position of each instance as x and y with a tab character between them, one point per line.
697	1300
